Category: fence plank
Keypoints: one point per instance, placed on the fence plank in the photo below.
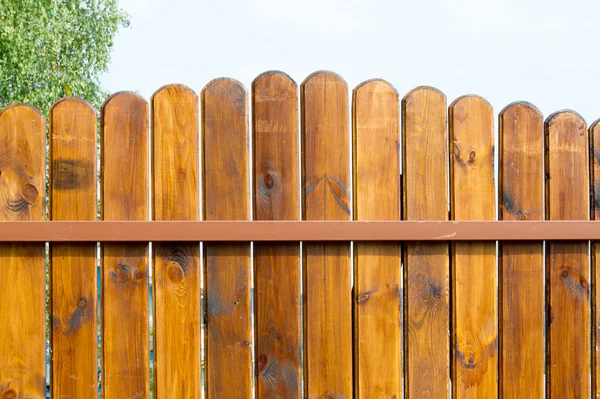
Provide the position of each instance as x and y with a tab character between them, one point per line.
521	194
327	270
567	268
475	324
595	171
277	266
427	265
73	266
22	266
125	289
176	265
227	268
377	276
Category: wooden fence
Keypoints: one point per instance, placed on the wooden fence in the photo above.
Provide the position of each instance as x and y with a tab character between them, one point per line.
285	320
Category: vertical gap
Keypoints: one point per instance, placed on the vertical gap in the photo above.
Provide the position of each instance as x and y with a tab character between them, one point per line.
451	313
353	263
545	287
590	180
47	264
201	252
496	183
250	165
303	373
301	256
401	251
150	252
48	310
99	259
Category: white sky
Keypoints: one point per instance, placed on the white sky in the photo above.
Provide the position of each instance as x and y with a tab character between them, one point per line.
546	52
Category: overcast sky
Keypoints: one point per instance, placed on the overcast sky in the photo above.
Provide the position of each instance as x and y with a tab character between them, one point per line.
546	52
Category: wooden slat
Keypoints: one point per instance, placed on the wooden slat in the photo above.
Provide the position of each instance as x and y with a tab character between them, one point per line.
227	266
327	270
425	171
595	171
22	269
521	197
567	267
73	266
277	266
377	277
125	289
175	184
474	322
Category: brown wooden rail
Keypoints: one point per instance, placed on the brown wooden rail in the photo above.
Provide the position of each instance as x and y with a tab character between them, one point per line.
138	231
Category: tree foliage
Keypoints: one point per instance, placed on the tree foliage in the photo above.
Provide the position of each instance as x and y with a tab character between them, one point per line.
55	48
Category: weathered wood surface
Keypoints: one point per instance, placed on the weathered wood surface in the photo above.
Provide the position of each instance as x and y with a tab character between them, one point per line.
227	266
427	265
377	277
175	185
125	285
22	266
73	277
327	269
276	266
475	322
567	264
521	197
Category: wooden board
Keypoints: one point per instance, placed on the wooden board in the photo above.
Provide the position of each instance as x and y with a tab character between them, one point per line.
227	266
22	266
595	171
426	265
276	266
73	266
521	197
175	184
377	277
327	271
475	322
567	264
125	284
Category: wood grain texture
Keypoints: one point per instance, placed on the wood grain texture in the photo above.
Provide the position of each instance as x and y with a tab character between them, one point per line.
567	264
595	179
175	185
73	266
427	265
227	266
276	266
521	197
22	266
125	284
475	322
377	276
327	270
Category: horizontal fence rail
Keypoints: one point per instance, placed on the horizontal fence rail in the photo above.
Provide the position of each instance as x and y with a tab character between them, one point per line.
402	247
281	231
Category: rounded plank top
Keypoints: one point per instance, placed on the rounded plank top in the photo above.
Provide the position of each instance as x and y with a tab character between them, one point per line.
275	130
521	158
175	153
124	120
472	158
73	160
425	146
225	145
326	161
22	163
376	136
567	191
